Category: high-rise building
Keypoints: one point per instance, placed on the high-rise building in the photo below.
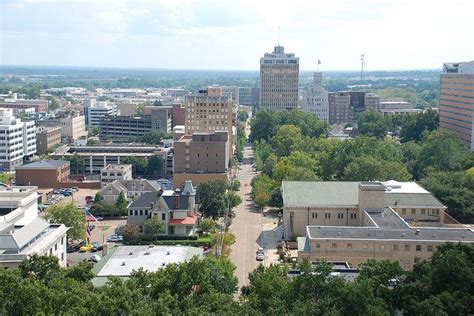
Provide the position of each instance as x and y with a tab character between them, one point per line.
94	111
371	101
339	107
279	73
315	99
233	91
17	140
209	111
456	101
46	138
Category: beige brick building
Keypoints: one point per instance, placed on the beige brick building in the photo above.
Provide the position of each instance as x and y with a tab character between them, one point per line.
46	138
200	157
339	107
456	101
355	221
209	111
72	128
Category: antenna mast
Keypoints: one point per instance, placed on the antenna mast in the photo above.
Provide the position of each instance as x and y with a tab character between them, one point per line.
362	66
278	35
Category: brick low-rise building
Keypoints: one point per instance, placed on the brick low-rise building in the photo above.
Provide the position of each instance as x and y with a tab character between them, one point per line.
46	138
43	173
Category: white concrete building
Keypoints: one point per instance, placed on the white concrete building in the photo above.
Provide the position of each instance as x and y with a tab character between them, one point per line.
115	172
315	99
17	140
279	72
23	233
95	110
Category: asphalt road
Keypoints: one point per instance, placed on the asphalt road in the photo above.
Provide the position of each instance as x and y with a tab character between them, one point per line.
251	228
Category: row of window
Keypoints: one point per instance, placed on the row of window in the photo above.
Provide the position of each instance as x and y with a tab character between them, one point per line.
327	215
422	211
395	247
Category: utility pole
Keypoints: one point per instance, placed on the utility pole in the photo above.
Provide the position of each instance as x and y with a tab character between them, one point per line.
362	66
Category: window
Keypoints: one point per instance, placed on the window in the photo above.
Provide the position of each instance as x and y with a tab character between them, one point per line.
136	212
407	247
55	247
62	256
404	211
423	211
146	212
340	215
395	247
349	246
318	245
429	248
437	212
413	211
51	251
353	215
418	247
382	247
333	245
314	215
141	212
327	215
131	212
163	216
62	240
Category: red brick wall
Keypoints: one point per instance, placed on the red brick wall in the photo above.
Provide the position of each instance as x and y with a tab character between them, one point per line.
178	115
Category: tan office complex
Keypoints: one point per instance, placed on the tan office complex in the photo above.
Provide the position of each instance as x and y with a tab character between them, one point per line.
356	221
72	128
201	157
456	101
339	107
279	72
209	111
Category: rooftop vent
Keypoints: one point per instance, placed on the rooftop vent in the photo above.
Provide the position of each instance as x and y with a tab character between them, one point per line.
123	263
339	233
417	232
130	253
146	253
168	253
163	264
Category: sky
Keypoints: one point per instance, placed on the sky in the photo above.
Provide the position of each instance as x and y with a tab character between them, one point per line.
233	35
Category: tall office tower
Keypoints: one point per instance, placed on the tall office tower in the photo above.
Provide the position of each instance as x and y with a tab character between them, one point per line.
315	99
339	107
209	111
17	140
456	101
233	91
279	73
95	111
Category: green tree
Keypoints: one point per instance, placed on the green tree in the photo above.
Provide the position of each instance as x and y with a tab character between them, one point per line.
92	131
139	164
131	234
414	126
81	272
42	267
208	225
76	163
368	168
287	139
5	178
121	203
97	198
70	216
155	165
372	123
211	195
54	104
154	137
154	227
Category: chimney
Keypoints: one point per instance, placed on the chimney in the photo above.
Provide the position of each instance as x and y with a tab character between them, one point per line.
176	201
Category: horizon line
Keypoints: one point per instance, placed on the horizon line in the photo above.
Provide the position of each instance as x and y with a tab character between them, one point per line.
203	69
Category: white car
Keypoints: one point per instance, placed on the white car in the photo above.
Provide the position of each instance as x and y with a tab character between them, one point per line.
115	238
94	258
260	256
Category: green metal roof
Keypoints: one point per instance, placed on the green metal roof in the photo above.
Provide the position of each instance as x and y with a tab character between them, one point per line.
412	199
319	193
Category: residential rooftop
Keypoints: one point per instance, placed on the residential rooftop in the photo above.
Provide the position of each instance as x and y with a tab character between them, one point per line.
45	164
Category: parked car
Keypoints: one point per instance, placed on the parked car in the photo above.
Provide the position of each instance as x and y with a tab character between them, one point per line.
94	258
86	248
260	256
89	198
115	238
96	247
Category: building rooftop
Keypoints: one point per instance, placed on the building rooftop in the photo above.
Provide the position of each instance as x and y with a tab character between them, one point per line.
145	200
390	226
320	193
117	167
44	164
127	259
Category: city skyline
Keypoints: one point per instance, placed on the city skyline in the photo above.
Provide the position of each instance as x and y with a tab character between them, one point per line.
209	35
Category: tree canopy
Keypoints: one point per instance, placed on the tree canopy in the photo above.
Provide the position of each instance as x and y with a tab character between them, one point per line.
70	216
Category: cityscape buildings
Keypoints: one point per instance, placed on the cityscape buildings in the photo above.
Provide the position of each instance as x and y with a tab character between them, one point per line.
17	140
279	77
315	99
47	138
456	101
95	110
